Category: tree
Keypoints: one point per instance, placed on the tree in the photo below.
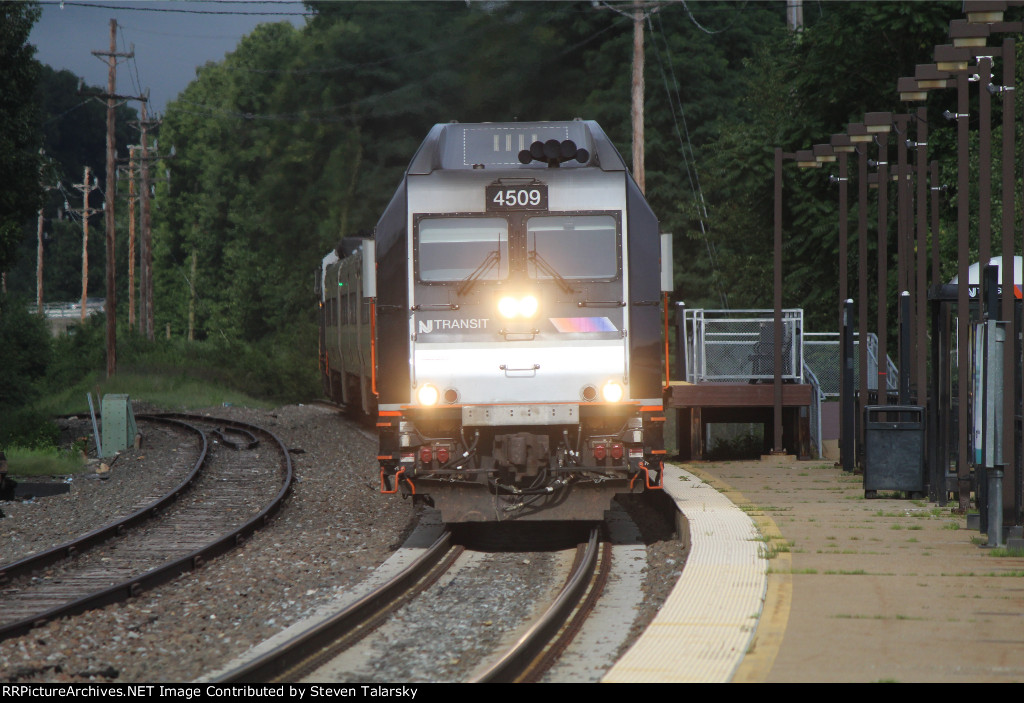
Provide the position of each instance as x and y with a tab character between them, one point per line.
20	136
797	90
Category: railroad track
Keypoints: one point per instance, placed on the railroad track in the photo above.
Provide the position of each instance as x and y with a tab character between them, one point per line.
227	495
305	654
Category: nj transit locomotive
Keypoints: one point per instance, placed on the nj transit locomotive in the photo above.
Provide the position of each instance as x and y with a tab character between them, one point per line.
508	332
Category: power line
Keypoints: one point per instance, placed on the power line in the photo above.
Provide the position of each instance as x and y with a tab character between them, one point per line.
689	162
180	11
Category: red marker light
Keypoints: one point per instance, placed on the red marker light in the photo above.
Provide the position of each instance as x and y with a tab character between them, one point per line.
426	455
600	452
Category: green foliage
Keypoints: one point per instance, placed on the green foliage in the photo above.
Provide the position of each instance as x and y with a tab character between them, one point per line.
49	461
19	126
28	428
24	359
298	138
73	131
24	353
749	446
798	89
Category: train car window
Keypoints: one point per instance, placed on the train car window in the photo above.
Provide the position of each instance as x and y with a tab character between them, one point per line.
574	246
452	248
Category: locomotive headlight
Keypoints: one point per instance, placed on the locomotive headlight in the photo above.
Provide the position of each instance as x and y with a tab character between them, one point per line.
528	306
428	395
508	306
612	392
525	307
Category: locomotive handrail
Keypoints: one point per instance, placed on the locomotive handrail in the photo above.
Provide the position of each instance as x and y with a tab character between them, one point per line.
601	304
435	306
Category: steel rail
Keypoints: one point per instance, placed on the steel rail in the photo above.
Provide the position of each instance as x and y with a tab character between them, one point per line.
518	663
173	568
312	647
84	542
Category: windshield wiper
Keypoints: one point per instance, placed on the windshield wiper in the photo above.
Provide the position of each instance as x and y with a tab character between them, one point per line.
541	263
486	265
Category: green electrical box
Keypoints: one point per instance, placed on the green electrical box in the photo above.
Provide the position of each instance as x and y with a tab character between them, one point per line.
119	428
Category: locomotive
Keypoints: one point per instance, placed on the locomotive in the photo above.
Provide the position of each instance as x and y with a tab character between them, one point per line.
504	325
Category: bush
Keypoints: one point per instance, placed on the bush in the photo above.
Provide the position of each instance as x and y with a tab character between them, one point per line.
24	353
25	427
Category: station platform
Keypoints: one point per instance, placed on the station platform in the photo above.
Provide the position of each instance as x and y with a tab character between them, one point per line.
793	576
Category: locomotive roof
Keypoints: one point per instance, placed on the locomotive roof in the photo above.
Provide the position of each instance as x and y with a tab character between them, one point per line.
496	145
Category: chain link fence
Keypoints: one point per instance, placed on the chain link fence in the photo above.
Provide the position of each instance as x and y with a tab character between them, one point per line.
739	345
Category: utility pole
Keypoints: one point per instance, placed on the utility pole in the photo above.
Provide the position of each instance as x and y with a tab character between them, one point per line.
86	211
111	96
146	239
192	296
638	96
131	237
39	248
795	15
39	264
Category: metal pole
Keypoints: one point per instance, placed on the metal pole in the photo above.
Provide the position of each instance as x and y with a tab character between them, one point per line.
847	453
1010	496
962	306
883	268
862	285
905	325
922	244
777	297
845	392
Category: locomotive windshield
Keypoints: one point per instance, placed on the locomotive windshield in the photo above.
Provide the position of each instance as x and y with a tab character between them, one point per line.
453	248
575	246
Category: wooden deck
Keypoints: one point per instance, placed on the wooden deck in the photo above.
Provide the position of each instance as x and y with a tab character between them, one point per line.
701	404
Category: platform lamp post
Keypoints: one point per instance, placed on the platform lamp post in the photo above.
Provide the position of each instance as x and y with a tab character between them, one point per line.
860	138
910	91
843	146
904	247
989	13
878	124
804	159
955	60
926	77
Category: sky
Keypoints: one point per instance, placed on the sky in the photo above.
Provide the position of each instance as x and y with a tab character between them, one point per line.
171	38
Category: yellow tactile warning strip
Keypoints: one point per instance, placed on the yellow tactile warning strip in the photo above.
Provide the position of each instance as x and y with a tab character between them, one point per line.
707	623
775	614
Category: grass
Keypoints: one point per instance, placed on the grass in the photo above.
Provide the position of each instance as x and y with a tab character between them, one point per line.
773	546
772	570
43	462
167	391
1004	552
848	616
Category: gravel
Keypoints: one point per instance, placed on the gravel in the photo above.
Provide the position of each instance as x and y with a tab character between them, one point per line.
335	528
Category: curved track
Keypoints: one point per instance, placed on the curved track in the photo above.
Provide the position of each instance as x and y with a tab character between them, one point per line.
226	497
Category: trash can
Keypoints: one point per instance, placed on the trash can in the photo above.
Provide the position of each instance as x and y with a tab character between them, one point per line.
893	449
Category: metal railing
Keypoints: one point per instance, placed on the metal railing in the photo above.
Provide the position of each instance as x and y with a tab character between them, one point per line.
738	345
822	353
